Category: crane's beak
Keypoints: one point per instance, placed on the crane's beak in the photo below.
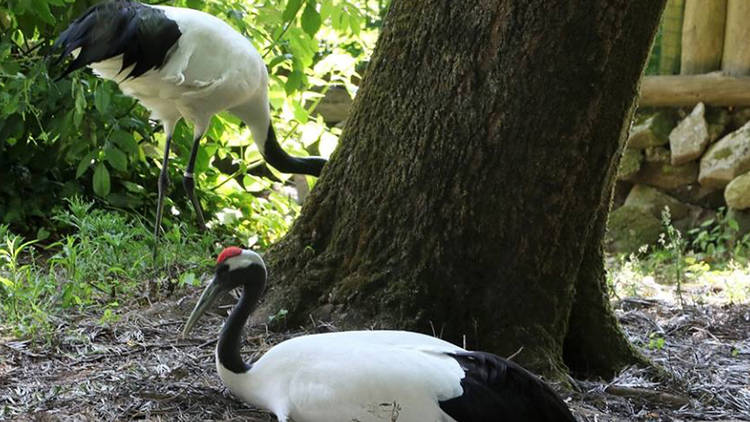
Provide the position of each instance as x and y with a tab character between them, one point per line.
208	297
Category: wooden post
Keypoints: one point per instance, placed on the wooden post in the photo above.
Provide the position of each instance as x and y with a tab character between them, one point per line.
703	36
713	89
736	58
671	37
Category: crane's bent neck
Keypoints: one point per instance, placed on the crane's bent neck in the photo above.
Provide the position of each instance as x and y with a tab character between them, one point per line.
230	339
258	118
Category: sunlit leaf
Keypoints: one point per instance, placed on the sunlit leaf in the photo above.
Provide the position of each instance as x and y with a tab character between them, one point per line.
311	19
291	9
293	81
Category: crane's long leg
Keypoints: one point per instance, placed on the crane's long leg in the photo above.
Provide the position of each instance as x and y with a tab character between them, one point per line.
188	180
163	185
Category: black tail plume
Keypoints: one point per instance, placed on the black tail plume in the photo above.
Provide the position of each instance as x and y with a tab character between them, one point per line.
142	34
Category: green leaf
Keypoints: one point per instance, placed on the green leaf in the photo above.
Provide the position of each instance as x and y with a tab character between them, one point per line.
41	8
302	46
133	187
80	100
355	24
293	81
102	99
291	9
125	141
311	19
300	113
116	158
84	164
277	60
101	180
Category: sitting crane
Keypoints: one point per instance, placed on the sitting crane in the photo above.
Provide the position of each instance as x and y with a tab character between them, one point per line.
180	63
367	376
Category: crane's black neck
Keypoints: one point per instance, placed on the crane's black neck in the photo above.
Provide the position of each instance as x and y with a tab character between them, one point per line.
230	339
285	163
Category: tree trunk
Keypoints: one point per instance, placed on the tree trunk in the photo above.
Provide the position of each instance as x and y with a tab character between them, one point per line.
465	197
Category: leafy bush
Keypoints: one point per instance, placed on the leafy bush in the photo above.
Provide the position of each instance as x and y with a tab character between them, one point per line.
718	239
82	136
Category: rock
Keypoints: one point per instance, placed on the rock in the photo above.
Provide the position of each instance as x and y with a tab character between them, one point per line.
651	132
629	228
630	163
667	176
689	138
620	194
718	119
737	192
657	155
726	159
335	105
653	202
698	195
740	116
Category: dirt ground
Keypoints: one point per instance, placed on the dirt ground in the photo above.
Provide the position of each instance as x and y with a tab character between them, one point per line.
139	368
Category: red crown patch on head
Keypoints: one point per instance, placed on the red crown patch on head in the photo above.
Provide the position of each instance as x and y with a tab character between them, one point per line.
228	253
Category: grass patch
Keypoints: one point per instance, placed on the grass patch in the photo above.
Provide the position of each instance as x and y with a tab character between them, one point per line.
103	263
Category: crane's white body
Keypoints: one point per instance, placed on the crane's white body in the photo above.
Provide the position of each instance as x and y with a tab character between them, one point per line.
365	376
211	68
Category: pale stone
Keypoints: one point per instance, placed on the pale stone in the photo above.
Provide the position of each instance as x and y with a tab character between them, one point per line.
652	131
630	163
657	155
690	137
696	194
667	176
726	159
335	105
629	228
737	192
653	201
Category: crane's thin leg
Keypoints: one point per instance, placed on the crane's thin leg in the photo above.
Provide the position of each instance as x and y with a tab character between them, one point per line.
163	185
188	180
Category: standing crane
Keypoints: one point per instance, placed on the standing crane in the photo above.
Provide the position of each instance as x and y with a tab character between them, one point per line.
180	63
367	376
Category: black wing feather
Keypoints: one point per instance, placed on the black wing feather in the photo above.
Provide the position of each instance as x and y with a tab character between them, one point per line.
498	390
142	34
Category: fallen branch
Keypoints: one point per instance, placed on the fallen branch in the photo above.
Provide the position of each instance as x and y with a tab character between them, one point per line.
652	396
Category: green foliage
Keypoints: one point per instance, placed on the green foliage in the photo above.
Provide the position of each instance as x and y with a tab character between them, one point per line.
81	135
656	341
717	239
104	261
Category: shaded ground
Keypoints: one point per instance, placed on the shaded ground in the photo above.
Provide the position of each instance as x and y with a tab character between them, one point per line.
139	368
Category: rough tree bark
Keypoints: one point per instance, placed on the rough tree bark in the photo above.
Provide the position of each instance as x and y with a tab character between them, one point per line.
471	186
